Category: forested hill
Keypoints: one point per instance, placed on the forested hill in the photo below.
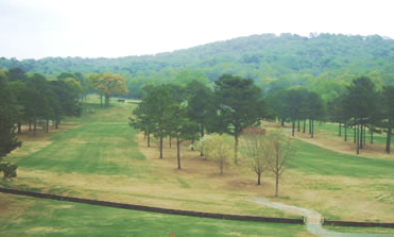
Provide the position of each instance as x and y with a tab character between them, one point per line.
256	56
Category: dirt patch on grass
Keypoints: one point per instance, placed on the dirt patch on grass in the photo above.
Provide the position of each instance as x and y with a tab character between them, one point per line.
44	229
12	208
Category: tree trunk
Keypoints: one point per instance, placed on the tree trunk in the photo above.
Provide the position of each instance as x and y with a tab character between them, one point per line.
148	139
276	185
47	126
258	178
388	140
57	122
192	148
345	132
312	128
101	100
106	101
35	126
298	125
178	152
161	147
236	149
354	133
371	136
170	139
202	135
283	122
361	136
358	139
304	126
19	127
340	129
292	127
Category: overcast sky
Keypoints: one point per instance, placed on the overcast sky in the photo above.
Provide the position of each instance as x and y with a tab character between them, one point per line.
113	28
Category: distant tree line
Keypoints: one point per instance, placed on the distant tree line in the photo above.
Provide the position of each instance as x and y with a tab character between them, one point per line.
284	60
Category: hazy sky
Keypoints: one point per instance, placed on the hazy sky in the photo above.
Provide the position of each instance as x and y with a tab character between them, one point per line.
112	28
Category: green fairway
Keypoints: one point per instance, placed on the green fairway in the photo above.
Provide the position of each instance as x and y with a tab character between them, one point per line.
54	218
332	129
94	145
312	159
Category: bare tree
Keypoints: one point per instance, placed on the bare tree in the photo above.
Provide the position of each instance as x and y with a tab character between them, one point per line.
281	150
219	150
255	150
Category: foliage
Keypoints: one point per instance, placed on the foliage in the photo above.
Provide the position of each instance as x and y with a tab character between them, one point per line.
181	127
360	105
203	145
291	60
236	104
218	149
9	114
111	84
388	113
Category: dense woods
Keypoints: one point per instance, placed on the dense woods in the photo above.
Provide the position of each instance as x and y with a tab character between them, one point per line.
320	61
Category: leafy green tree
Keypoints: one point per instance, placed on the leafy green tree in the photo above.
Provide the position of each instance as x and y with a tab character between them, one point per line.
337	114
142	121
181	128
158	108
16	74
388	113
186	76
92	81
18	89
294	106
9	114
315	108
111	84
360	103
37	96
198	104
236	104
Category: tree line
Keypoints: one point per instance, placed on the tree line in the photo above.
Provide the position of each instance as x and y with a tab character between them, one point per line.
32	99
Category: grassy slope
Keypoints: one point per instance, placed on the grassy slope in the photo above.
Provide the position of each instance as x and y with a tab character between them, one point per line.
100	159
312	159
52	218
91	146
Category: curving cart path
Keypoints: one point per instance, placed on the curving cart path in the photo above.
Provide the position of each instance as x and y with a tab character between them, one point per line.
314	219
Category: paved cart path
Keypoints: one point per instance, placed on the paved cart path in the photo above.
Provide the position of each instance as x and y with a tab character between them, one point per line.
313	219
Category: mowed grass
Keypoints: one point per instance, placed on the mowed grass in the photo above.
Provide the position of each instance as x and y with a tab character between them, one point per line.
37	217
98	157
312	159
103	145
332	129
